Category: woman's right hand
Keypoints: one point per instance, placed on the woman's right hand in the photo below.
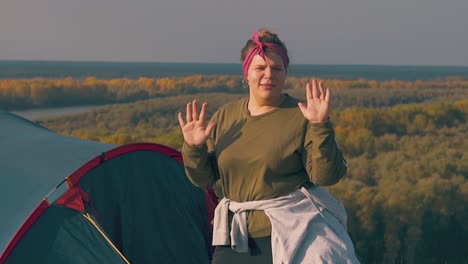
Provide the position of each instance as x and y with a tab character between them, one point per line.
194	130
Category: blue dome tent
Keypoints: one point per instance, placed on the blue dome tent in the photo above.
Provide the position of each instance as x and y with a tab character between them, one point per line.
69	200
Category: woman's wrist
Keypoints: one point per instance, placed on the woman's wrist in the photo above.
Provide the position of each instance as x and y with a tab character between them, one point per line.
195	146
320	122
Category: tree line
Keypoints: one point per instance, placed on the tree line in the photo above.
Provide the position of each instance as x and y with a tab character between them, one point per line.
41	92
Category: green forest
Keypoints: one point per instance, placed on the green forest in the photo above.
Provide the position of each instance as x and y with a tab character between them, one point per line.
405	142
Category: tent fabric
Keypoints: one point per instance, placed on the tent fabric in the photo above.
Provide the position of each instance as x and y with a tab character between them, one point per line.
56	238
138	196
34	160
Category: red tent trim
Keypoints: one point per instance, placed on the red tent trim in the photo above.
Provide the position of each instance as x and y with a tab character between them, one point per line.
40	209
72	199
75	177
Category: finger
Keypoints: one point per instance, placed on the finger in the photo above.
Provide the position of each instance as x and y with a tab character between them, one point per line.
181	120
202	113
322	93
327	95
209	128
194	110
314	89
308	91
189	112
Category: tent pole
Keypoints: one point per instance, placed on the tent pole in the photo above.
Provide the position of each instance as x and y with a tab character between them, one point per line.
91	220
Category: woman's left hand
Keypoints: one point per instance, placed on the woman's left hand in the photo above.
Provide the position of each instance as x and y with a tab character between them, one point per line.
318	100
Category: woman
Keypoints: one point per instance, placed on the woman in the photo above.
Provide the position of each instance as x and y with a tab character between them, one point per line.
268	153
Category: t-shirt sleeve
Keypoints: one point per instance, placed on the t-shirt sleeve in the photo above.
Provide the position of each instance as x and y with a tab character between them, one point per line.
322	156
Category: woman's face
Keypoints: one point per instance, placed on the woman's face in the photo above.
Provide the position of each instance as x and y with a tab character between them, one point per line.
267	76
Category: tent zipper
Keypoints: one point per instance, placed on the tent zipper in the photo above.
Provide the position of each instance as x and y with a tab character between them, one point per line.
91	220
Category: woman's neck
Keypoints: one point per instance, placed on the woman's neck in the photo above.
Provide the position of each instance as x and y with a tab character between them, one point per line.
257	107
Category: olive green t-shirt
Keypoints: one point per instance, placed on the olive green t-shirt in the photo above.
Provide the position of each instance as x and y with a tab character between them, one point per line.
263	157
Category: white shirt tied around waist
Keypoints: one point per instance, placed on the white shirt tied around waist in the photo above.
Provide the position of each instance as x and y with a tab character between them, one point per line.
308	226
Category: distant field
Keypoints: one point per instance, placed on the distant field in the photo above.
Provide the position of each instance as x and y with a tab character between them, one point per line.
39	113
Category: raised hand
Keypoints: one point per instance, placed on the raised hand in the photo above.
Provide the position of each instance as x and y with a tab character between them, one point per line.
194	130
318	100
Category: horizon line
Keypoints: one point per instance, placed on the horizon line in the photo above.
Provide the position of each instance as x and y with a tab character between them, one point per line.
229	63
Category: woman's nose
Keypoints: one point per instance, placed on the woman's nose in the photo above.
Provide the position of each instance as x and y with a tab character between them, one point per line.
268	72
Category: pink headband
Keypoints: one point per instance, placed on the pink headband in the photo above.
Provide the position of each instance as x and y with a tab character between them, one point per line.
260	51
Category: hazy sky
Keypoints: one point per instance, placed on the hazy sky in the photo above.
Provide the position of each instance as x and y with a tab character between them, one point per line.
402	32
